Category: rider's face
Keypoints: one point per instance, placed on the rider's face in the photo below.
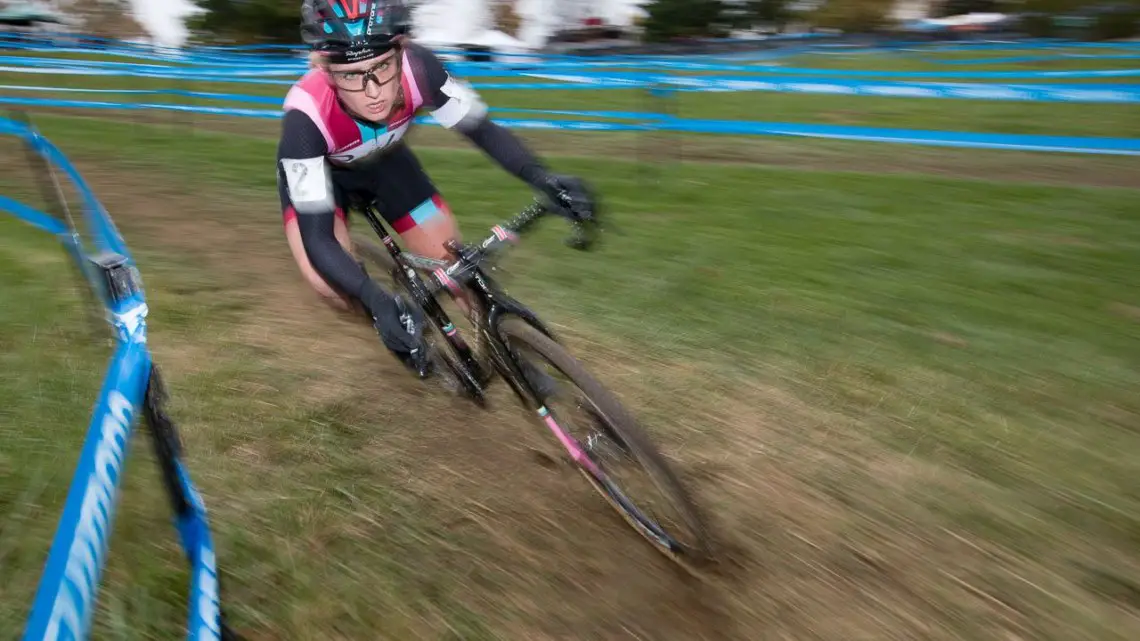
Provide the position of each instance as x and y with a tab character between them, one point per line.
371	98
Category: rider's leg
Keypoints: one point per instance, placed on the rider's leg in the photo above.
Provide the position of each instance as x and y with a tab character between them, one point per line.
427	238
426	229
414	209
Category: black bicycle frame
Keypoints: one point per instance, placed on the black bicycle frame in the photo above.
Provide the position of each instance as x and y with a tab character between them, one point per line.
494	306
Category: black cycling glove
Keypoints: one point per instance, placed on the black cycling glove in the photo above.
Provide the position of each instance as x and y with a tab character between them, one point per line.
571	197
400	325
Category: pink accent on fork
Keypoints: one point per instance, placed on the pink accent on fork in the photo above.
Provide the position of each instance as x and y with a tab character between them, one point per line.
503	234
447	281
570	444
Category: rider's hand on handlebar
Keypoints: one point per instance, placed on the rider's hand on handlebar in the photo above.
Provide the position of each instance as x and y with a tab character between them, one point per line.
570	197
400	325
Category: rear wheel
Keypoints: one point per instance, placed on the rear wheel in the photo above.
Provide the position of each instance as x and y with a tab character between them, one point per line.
614	444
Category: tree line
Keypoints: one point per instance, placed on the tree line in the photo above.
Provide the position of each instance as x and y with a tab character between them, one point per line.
1086	19
274	21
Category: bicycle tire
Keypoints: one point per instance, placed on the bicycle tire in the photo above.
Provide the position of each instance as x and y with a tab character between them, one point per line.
636	439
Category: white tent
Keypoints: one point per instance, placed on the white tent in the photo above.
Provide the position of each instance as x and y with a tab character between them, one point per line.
456	22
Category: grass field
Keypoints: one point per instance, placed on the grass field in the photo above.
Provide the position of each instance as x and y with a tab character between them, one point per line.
904	389
1003	60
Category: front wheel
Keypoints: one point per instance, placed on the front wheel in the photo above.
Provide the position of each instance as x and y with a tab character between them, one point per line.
606	442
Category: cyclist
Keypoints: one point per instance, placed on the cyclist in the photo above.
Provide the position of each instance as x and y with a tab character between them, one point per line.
342	137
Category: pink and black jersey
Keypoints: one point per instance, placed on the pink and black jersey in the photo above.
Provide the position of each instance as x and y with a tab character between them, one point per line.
320	141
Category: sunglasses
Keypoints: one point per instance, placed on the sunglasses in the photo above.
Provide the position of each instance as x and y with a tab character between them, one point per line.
381	73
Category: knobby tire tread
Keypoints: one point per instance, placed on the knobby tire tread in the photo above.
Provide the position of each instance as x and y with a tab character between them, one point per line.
634	435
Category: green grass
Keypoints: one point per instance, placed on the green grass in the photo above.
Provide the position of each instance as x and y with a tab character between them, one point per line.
914	61
1042	118
88	55
963	355
1110	120
50	374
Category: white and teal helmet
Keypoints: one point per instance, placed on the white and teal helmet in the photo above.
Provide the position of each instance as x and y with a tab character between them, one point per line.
352	30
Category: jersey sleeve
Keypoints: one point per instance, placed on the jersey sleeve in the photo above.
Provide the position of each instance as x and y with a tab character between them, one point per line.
451	101
304	181
454	104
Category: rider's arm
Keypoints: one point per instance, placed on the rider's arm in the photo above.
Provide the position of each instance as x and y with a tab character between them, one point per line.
305	186
454	104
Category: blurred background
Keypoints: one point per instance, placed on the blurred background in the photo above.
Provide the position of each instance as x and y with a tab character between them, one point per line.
876	291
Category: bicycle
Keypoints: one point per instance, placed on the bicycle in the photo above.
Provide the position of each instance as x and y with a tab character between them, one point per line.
505	326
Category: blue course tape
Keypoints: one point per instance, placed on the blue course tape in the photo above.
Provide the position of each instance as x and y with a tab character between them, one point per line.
77	71
842	73
1059	57
32	216
1082	93
977	91
1028	43
1025	142
102	229
64	600
625	115
295	66
107	67
18	41
268	100
860	73
135	106
813	43
169	55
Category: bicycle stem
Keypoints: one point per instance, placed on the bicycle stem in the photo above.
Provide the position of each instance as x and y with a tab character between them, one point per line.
455	275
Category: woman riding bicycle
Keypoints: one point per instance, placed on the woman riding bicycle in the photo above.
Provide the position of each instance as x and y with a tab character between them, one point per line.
342	138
